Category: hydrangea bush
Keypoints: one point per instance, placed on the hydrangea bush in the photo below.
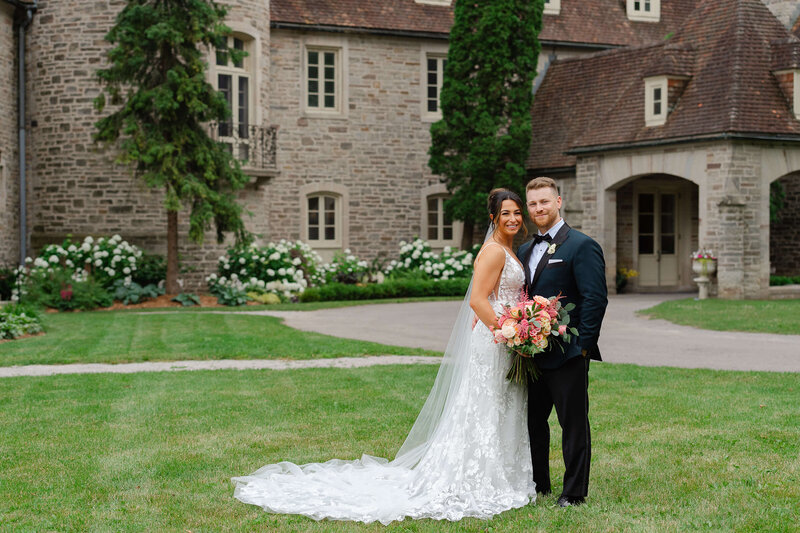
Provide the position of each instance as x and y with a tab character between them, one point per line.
346	268
104	260
17	320
417	258
284	268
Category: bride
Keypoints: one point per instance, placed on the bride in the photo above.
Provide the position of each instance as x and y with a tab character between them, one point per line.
468	453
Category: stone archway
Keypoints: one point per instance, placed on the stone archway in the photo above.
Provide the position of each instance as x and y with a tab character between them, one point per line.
656	230
784	226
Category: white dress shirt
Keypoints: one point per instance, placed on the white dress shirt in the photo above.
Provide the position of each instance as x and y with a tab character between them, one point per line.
541	248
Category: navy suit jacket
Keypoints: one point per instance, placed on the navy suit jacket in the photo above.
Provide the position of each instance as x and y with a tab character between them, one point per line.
580	277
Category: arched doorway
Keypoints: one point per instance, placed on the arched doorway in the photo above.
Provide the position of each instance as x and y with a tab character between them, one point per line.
784	226
657	229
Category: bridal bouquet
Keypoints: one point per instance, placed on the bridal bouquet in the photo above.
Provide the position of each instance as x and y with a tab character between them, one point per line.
527	327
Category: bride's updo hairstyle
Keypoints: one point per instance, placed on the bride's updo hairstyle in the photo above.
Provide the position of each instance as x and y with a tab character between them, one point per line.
495	203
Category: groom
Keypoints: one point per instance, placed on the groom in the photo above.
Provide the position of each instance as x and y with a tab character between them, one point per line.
561	260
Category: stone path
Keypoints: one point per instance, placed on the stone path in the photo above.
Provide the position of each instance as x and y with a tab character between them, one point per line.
223	364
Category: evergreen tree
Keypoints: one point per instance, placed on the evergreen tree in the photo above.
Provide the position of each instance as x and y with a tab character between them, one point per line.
157	84
484	135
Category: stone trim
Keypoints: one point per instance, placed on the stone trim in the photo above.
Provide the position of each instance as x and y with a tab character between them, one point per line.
335	43
342	216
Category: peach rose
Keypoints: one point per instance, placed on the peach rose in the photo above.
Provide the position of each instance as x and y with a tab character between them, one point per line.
509	329
562	329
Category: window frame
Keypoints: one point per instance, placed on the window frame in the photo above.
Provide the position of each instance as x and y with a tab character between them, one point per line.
640	15
552	7
438	191
651	84
323	44
342	199
438	52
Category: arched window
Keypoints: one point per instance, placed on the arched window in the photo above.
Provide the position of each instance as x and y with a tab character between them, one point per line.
324	216
436	227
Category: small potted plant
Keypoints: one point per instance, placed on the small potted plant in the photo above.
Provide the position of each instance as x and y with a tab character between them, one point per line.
623	274
704	262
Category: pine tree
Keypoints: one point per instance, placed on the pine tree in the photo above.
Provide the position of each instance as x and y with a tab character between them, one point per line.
484	135
157	84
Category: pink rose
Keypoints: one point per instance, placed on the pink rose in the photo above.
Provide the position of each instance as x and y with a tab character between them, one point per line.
562	329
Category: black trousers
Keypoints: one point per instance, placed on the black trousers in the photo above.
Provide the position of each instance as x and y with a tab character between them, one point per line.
566	388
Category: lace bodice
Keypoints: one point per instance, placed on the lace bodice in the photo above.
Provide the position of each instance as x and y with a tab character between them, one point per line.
512	279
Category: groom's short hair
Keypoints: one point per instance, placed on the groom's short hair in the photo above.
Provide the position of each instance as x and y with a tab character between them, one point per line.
542	182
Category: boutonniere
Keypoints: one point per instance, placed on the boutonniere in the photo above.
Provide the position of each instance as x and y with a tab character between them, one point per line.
552	249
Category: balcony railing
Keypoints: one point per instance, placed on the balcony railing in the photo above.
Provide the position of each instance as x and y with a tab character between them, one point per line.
253	146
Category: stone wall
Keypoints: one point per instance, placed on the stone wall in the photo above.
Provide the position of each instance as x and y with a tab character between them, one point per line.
76	188
784	234
9	154
376	150
786	11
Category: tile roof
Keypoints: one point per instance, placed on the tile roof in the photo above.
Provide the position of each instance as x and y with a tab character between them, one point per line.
599	22
726	46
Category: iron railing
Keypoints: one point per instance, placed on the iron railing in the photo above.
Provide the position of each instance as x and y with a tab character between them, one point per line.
253	146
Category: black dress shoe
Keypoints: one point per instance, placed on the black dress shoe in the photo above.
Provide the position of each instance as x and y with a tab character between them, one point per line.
569	501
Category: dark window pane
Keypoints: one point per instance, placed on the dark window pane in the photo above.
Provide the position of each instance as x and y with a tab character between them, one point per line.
330	203
238	44
432	78
432	233
313	72
668	203
667	224
433	106
447	220
330	58
330	233
313	86
313	218
313	100
668	244
330	101
329	73
432	65
646	223
646	203
448	233
432	91
656	108
244	105
313	203
313	58
313	234
637	6
330	218
330	87
433	220
225	129
433	205
645	244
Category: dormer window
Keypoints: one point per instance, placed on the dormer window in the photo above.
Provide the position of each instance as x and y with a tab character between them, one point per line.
655	100
552	7
644	10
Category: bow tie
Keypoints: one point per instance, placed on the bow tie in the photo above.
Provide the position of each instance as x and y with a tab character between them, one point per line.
542	238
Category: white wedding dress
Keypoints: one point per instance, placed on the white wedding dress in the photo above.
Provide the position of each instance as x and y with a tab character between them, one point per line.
468	454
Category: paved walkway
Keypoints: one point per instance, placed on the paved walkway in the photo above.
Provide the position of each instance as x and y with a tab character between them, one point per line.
626	338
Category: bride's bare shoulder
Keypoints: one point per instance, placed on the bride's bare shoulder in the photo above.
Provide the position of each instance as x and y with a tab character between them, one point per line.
491	255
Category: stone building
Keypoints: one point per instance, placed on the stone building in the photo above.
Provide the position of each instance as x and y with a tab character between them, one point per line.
331	113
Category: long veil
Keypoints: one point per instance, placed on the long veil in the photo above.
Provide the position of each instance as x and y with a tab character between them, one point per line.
451	373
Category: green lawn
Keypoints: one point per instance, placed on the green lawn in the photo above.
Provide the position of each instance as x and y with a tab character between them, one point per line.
674	449
122	337
302	306
763	316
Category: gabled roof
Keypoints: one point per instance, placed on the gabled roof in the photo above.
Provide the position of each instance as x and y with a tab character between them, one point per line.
596	22
597	101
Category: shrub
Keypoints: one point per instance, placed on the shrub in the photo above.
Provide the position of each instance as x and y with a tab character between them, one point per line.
8	278
285	268
396	288
133	293
151	269
231	295
267	298
417	257
17	320
187	299
784	280
346	268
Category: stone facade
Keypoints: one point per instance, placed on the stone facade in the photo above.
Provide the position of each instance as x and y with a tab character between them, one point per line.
9	143
786	11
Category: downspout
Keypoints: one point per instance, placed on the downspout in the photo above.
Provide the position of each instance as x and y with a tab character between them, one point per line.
23	201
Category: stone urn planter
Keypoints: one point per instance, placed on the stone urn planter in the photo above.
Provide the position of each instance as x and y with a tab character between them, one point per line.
704	265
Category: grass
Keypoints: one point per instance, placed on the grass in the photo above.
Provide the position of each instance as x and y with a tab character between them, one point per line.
673	449
762	316
300	306
122	337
